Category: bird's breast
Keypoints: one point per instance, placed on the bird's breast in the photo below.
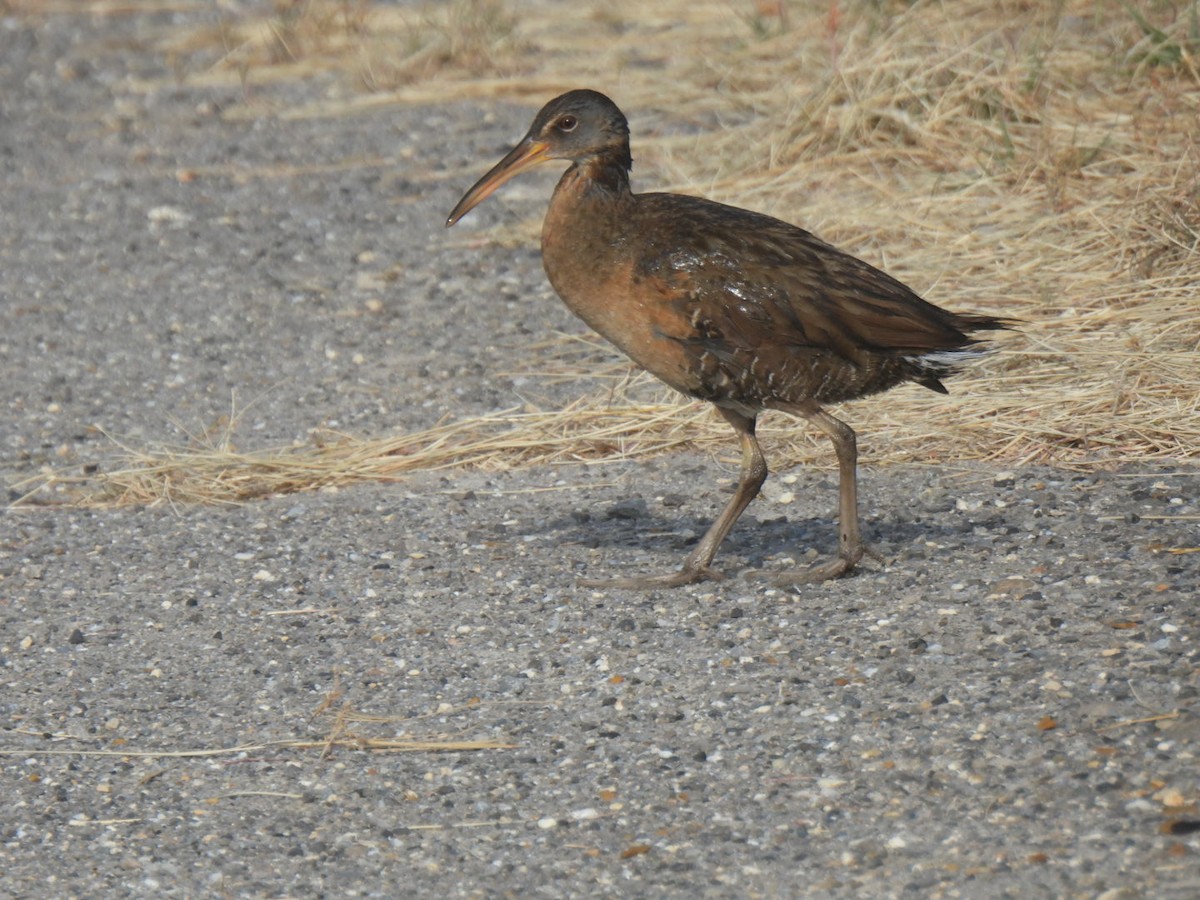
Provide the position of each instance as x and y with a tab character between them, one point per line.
593	250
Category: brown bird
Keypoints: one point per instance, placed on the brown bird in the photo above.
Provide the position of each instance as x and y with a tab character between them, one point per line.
726	305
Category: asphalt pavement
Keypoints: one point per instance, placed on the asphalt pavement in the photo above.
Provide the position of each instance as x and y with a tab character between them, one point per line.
204	700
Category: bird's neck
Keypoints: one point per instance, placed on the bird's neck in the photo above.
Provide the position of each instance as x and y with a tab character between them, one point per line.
591	202
600	179
590	206
584	235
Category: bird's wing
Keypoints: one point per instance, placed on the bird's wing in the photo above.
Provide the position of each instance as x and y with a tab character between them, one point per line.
748	280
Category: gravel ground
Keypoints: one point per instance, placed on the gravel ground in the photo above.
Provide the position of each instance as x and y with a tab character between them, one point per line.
1006	706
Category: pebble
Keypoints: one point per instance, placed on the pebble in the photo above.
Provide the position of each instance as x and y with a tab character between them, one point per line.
631	508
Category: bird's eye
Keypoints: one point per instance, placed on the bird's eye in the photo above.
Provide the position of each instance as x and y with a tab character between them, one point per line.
567	123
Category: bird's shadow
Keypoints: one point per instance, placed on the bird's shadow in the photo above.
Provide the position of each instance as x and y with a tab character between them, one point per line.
756	540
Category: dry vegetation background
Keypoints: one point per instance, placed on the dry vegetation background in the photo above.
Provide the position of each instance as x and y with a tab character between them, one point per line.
1037	160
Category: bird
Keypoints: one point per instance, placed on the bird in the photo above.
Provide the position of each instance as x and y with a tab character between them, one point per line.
733	307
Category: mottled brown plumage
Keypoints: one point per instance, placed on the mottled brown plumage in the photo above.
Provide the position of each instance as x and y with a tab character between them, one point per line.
723	304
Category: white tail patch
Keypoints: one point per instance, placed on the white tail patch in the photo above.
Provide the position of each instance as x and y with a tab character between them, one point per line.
941	361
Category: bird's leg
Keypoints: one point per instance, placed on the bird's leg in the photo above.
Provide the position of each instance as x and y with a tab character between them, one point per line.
750	481
850	543
696	566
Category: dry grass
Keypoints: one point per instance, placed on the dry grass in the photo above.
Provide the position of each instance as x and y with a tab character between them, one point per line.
345	732
1034	160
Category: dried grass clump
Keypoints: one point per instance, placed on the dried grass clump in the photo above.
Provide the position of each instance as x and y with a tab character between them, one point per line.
472	36
1031	160
344	732
1164	233
382	46
214	472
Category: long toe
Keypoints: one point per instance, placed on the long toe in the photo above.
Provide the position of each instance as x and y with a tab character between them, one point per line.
825	571
647	582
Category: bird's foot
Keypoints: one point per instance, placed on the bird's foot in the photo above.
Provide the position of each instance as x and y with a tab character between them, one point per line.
686	575
840	565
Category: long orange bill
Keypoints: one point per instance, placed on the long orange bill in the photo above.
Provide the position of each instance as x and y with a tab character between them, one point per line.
525	155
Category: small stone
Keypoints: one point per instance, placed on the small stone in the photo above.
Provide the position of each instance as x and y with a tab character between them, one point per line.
632	508
1171	797
1016	587
167	216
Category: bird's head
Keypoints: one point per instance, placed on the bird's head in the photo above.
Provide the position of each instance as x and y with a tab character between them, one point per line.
577	126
